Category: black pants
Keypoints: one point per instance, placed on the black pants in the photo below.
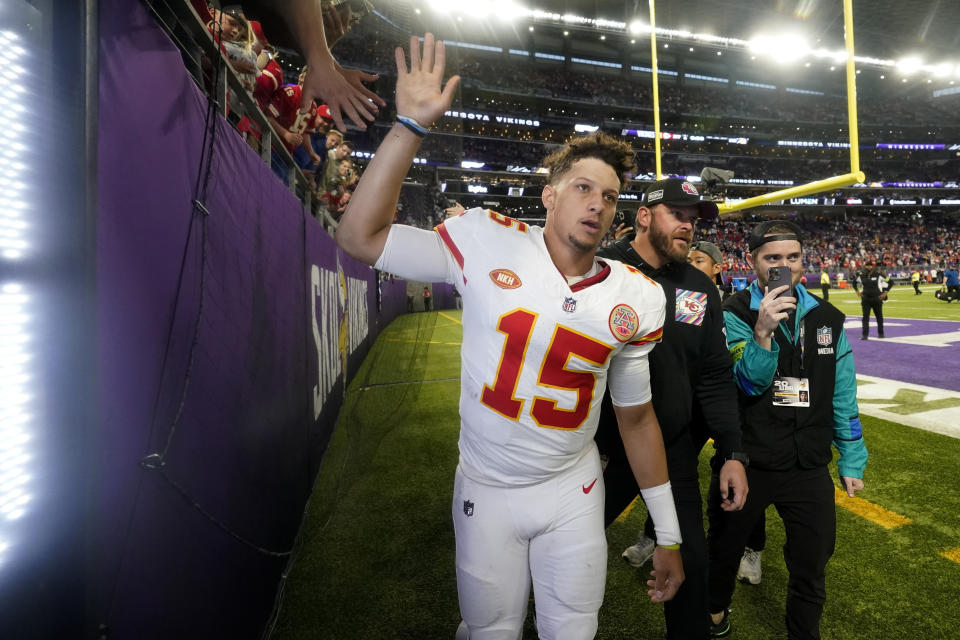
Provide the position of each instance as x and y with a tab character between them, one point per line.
686	614
804	499
875	305
757	540
916	287
953	292
825	288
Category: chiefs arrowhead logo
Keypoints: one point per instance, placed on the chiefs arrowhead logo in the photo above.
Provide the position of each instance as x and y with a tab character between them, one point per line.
689	188
505	279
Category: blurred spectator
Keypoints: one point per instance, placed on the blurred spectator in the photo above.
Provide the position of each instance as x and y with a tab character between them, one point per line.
301	24
335	173
271	73
231	31
285	115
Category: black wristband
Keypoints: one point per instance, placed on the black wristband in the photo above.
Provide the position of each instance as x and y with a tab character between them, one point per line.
739	456
412	129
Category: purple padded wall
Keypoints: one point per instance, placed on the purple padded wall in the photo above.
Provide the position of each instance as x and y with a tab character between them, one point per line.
209	331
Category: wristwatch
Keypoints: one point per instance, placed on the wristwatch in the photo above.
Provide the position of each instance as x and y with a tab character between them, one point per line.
739	456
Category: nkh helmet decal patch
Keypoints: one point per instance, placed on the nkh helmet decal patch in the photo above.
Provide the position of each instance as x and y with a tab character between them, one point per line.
624	322
505	279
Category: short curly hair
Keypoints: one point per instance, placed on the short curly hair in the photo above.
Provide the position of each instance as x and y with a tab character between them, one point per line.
616	153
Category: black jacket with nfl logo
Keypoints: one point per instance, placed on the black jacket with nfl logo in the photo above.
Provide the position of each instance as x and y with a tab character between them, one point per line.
691	374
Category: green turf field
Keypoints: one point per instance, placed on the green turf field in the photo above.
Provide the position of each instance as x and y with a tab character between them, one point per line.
901	303
376	559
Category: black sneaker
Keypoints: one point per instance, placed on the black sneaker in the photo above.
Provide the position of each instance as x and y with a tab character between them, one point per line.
722	628
864	338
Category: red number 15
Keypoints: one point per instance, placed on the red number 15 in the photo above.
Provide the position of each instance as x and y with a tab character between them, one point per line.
517	326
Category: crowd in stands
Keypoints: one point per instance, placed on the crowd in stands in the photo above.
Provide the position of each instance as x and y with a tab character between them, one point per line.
320	151
843	243
326	163
519	75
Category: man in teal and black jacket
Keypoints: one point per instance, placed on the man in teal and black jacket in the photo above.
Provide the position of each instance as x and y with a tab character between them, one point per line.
797	393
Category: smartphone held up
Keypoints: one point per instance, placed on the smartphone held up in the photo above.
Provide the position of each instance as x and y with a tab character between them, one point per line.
777	277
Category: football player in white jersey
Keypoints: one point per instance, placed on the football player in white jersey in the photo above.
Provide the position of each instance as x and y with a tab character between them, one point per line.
544	322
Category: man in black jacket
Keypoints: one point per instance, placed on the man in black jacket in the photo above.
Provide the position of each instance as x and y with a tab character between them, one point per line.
797	392
693	390
874	287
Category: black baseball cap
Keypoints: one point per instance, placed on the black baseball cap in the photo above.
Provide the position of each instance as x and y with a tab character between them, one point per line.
761	233
677	192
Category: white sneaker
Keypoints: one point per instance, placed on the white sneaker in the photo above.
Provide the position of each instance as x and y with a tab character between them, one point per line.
637	555
750	569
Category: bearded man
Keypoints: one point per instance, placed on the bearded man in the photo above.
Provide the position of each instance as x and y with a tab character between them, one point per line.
694	395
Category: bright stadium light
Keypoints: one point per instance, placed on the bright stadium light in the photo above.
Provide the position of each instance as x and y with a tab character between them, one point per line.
943	70
907	66
505	9
16	489
781	48
637	27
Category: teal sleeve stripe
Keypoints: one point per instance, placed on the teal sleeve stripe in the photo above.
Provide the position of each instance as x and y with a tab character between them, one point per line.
847	430
853	457
737	329
744	383
845	392
754	368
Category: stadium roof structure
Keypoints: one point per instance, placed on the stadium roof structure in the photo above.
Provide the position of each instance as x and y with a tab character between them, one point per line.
885	28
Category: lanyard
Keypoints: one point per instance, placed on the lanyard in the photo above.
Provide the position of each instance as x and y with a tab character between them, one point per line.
789	335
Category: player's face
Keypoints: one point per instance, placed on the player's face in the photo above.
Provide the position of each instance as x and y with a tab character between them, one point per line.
581	204
703	262
671	230
778	254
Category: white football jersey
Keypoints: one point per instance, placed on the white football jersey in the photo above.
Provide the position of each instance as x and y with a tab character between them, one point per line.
536	350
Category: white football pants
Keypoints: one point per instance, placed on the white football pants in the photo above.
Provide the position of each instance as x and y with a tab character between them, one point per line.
551	532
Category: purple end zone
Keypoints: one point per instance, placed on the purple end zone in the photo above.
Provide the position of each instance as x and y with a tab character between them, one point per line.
919	364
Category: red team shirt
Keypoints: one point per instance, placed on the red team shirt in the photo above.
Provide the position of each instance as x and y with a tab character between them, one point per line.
269	80
285	107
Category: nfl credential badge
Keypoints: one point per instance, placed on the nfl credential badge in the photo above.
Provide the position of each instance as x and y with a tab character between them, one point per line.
825	336
569	305
467	508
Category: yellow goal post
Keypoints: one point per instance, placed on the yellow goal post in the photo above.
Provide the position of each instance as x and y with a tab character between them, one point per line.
818	186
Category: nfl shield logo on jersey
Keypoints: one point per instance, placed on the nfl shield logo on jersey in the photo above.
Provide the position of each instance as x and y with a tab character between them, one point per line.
569	305
825	336
468	508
